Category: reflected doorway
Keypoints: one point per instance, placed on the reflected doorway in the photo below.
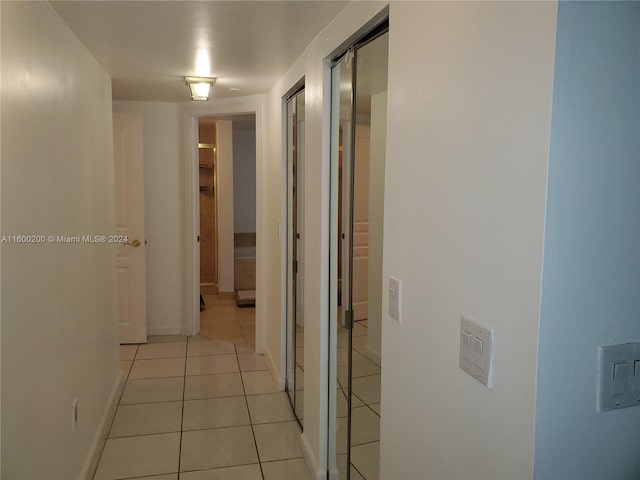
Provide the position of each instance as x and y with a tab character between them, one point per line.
227	227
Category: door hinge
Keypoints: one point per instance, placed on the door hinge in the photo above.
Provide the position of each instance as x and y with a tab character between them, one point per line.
348	319
198	238
295	267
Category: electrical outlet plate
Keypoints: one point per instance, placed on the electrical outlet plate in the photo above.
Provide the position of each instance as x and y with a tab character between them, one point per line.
476	350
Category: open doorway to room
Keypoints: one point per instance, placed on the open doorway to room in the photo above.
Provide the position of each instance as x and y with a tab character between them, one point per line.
227	232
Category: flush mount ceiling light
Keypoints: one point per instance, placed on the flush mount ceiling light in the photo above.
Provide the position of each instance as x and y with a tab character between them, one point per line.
199	87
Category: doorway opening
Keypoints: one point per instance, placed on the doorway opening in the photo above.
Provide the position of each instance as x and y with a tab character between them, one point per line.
227	227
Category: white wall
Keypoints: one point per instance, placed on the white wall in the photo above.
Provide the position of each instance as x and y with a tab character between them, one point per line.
591	268
467	143
58	301
377	288
244	177
164	212
225	185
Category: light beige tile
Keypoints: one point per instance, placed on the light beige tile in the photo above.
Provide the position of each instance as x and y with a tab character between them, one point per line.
355	475
211	364
295	469
199	338
270	407
215	413
212	347
259	382
244	348
157	368
299	378
278	441
169	476
220	447
359	330
367	388
300	356
125	367
342	357
341	463
128	352
375	407
243	472
342	439
362	366
366	458
166	338
210	386
139	456
146	418
162	350
342	405
251	362
365	426
150	390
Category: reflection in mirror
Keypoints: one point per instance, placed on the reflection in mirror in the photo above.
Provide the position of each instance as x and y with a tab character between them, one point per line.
358	163
295	266
366	260
342	107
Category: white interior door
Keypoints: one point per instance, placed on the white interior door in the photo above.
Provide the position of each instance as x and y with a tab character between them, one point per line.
129	186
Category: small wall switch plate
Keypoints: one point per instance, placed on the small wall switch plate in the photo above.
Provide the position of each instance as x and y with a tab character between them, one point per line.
476	350
394	298
619	385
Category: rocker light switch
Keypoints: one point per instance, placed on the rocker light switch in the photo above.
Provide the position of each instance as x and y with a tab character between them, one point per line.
619	385
476	349
621	374
394	298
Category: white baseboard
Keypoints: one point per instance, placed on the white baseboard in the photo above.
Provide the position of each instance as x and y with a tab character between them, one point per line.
310	460
91	463
274	371
168	330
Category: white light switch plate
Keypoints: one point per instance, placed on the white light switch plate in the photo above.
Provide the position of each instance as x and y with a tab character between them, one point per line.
476	350
619	385
394	298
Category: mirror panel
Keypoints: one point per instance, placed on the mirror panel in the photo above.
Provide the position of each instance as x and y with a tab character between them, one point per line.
295	265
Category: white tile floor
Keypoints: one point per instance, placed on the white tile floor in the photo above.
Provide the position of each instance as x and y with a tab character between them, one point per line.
200	409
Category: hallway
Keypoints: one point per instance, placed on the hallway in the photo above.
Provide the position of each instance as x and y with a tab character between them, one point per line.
194	408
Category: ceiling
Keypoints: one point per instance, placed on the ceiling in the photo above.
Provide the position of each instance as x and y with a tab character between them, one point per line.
148	47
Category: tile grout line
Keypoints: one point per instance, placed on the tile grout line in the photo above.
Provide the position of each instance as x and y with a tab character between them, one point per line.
184	387
253	433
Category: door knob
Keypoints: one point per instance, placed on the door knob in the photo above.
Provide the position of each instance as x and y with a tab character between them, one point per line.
135	243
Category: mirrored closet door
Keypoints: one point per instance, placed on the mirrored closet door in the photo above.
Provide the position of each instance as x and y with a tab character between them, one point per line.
295	264
359	99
